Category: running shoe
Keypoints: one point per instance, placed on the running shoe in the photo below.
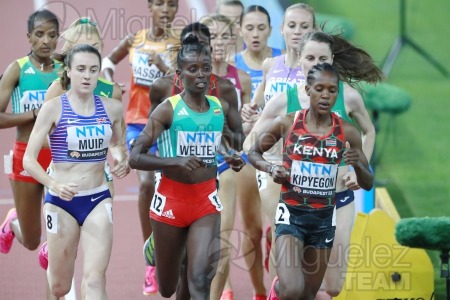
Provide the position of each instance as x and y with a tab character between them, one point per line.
268	248
227	295
43	256
259	297
272	294
149	251
6	234
150	283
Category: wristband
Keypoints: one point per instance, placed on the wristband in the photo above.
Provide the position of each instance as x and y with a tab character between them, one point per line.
272	167
107	63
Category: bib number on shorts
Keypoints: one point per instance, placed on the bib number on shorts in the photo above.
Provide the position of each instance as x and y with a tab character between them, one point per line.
214	198
282	215
261	179
158	203
51	221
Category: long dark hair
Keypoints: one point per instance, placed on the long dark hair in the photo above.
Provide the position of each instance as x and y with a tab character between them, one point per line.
353	63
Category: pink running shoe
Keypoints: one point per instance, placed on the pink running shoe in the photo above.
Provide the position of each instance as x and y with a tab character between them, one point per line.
150	284
272	294
43	256
227	295
6	234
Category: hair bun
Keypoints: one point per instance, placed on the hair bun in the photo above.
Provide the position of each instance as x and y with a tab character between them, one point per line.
190	39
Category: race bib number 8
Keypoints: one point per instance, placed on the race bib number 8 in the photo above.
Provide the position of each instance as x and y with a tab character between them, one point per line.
158	203
51	221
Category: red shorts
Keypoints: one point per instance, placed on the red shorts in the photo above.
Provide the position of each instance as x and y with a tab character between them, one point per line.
18	172
181	204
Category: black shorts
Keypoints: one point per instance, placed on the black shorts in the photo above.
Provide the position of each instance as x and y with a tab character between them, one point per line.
313	226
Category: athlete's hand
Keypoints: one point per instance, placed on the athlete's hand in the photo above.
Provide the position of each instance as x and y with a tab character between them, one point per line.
191	163
122	87
280	174
121	169
155	59
350	181
65	191
248	111
235	161
351	156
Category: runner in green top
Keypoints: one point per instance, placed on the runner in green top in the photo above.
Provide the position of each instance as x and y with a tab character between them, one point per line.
24	83
354	64
193	133
185	208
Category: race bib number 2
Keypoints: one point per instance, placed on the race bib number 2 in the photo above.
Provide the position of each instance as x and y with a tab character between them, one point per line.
282	214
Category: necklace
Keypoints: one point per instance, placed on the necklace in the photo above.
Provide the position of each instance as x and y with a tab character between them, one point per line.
41	64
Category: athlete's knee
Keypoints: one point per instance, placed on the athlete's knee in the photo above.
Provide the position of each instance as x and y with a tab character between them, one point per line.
31	242
334	290
290	293
254	233
168	287
166	290
322	295
333	283
60	288
201	281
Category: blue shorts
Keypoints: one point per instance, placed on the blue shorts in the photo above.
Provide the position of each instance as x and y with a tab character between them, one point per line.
222	166
82	204
133	132
344	198
315	227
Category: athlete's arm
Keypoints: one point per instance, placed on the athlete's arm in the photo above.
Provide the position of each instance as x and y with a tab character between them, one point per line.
358	112
246	85
258	96
274	108
7	84
234	123
160	90
277	129
116	56
355	157
117	92
46	119
117	143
